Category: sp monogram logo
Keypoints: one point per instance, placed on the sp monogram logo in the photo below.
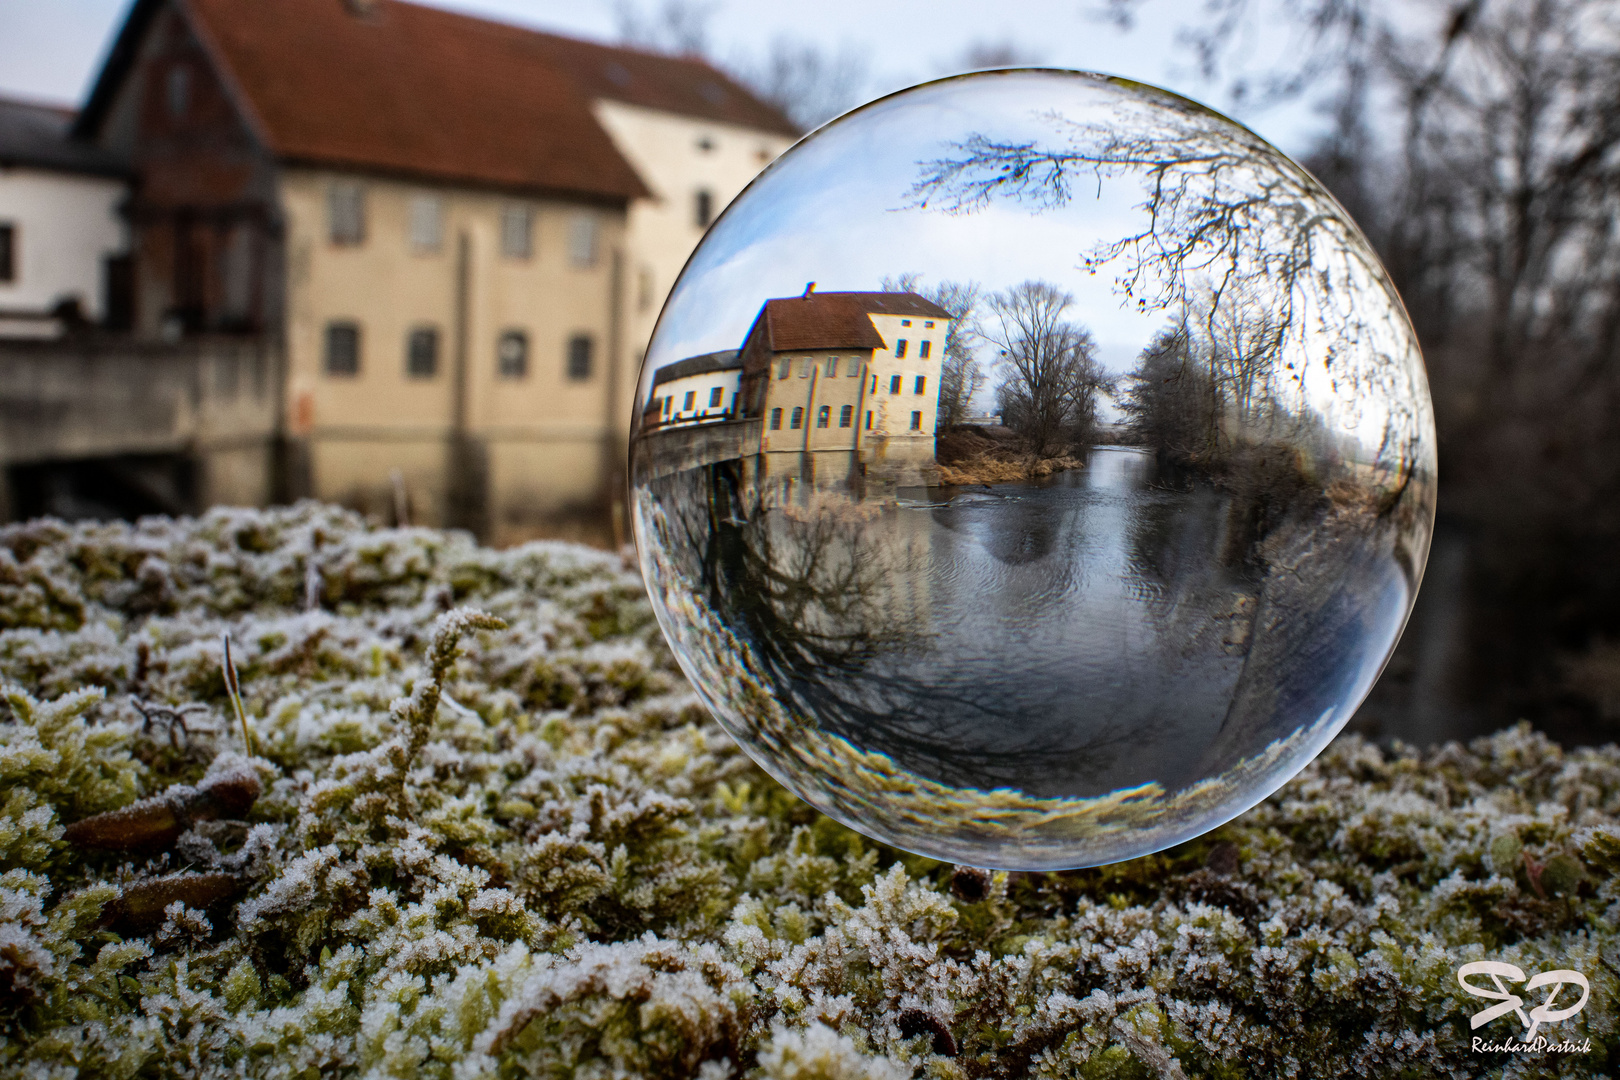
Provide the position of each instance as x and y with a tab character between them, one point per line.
1508	1002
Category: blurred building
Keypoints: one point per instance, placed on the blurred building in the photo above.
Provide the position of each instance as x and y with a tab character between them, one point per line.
451	235
62	238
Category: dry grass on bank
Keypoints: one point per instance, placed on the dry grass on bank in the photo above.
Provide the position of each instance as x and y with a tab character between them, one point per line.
973	455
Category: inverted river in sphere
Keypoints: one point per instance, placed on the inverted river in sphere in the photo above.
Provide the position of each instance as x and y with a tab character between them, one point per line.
1070	637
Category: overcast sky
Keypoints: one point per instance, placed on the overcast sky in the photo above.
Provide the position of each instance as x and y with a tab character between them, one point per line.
50	49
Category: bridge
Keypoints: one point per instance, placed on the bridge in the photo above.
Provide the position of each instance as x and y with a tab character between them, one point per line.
102	425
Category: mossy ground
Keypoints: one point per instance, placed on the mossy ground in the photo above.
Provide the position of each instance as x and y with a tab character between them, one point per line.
540	857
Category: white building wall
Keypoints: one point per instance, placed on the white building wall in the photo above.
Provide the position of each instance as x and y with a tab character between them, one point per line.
673	394
66	225
676	157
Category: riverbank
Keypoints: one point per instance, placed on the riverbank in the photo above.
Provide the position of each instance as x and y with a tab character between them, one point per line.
994	456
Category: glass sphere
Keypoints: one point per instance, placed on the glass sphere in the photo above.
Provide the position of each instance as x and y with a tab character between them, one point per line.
1033	469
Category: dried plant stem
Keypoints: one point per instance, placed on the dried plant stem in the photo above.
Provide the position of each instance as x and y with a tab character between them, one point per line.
233	688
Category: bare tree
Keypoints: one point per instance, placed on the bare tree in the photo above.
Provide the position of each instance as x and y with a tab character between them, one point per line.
961	376
1170	400
810	83
980	55
679	27
1050	377
1489	178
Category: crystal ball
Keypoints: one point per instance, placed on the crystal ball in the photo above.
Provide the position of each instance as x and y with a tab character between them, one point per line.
1033	469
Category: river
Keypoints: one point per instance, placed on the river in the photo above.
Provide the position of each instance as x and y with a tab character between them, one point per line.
1073	636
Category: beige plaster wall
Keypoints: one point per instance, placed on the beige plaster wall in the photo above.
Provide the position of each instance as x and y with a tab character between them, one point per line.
362	428
668	152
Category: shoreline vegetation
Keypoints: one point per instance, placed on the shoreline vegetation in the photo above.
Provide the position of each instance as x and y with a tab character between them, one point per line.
969	456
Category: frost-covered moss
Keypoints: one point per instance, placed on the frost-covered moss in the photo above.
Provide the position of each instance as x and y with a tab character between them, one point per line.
540	857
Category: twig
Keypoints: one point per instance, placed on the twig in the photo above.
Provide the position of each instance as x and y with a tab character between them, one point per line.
233	688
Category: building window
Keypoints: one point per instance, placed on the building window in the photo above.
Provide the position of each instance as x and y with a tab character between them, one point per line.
922	383
427	224
905	322
177	91
846	416
343	349
900	349
868	419
8	251
797	420
824	416
716	396
346	212
916	421
894	385
922	350
691	401
874	384
703	207
644	288
422	353
579	357
929	325
832	367
512	355
783	369
582	240
776	419
517	231
806	366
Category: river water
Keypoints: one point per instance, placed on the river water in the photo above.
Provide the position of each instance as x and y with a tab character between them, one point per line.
1078	635
1074	636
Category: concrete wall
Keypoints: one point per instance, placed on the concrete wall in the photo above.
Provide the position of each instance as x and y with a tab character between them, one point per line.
66	226
209	401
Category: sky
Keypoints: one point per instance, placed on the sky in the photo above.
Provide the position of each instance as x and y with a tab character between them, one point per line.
841	209
51	49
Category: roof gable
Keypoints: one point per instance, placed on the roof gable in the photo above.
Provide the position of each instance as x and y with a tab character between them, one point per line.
685	85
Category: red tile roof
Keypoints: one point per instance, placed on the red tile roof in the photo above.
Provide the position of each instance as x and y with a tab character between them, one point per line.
413	90
818	321
894	303
677	84
837	320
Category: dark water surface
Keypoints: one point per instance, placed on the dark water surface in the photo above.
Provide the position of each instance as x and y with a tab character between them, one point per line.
1072	637
1076	636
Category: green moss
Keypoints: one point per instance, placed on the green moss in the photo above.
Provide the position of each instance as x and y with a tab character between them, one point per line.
514	844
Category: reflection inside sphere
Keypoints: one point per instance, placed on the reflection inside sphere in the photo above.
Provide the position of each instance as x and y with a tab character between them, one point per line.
1033	470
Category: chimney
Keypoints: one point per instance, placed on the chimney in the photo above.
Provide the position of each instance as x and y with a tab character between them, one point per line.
809	288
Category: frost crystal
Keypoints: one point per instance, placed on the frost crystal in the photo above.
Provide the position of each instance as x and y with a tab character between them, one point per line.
528	851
